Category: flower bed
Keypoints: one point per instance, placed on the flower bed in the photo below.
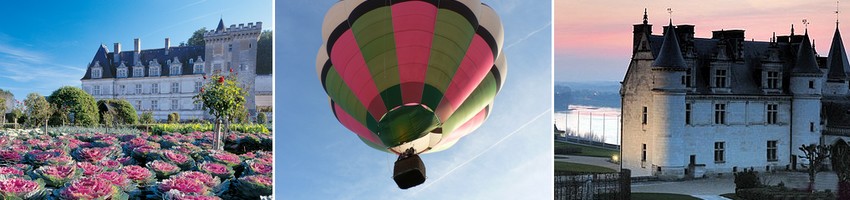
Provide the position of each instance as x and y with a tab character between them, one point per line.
133	166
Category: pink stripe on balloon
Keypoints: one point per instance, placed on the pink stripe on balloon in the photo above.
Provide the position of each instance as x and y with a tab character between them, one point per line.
466	128
355	126
348	61
413	23
474	67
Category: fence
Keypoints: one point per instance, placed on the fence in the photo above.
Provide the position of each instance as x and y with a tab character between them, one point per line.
613	186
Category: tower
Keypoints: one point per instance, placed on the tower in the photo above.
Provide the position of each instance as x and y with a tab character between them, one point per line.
836	78
668	104
806	89
234	49
641	30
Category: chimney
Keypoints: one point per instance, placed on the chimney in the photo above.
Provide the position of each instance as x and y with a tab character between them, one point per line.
116	52
137	44
167	45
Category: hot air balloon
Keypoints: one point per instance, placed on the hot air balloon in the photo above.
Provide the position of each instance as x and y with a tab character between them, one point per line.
411	77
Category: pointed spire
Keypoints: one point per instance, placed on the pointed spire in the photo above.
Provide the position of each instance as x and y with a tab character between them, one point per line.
792	29
645	18
220	25
670	55
806	62
837	59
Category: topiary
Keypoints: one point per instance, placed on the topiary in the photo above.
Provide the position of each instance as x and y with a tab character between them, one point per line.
261	118
73	100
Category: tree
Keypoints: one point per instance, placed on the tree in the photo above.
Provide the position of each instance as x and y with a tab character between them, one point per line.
264	53
71	100
173	118
815	154
38	109
222	98
147	118
124	112
3	109
197	38
261	118
840	159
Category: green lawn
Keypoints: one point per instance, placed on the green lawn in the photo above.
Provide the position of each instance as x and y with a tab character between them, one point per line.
580	168
589	150
653	196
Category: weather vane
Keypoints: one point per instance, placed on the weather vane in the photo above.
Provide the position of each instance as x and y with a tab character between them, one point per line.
806	23
836	12
670	11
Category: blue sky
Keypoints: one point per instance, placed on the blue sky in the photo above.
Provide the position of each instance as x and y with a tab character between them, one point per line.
509	157
46	45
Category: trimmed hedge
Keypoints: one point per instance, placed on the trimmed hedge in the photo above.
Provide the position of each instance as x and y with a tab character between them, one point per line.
771	193
567	150
188	128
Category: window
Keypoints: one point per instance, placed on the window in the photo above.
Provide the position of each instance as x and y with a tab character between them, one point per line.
96	90
138	71
772	80
719	113
719	148
174	104
122	89
197	106
199	68
175	70
811	84
811	127
122	73
217	68
197	86
229	47
687	80
720	78
688	114
772	110
138	105
139	89
771	150
95	73
154	71
643	119
175	87
155	88
643	152
154	105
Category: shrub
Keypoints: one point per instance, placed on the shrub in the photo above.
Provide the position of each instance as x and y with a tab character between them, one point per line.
746	179
147	118
261	118
122	111
160	129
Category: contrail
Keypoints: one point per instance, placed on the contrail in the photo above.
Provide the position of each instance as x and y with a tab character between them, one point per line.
548	111
528	35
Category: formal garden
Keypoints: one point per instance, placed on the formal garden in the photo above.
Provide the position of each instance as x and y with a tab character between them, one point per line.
69	146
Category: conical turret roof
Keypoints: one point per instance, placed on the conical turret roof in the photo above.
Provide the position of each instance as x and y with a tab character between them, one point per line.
837	60
220	25
806	62
670	55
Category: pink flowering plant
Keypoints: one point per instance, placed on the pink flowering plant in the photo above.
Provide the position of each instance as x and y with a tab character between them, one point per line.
225	158
20	188
118	179
163	169
89	168
183	185
253	167
11	172
41	157
93	154
110	165
58	175
90	188
254	186
208	180
10	156
216	169
139	175
177	195
181	160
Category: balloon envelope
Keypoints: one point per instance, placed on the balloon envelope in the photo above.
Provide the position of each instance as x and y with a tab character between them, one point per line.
411	74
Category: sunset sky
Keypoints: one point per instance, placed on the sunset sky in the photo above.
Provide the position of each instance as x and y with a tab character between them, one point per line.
593	38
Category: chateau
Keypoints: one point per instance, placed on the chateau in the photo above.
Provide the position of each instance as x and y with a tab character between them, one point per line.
704	106
164	80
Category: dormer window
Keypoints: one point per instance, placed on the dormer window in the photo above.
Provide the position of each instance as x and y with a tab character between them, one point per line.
122	73
138	71
721	79
198	69
154	68
96	72
772	80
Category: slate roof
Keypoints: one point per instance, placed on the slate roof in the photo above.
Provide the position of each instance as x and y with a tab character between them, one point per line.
670	55
745	70
183	54
837	61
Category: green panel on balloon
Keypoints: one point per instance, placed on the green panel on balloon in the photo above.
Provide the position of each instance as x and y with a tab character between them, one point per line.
392	96
405	124
374	34
480	98
431	96
452	35
344	97
373	145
